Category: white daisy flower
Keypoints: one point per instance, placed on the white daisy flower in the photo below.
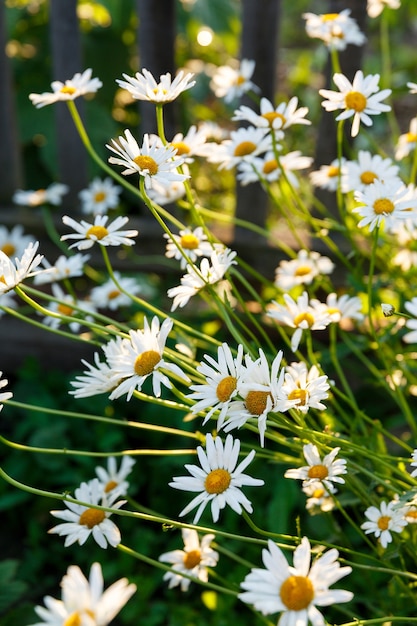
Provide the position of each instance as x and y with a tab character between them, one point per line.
369	168
51	195
64	267
12	274
343	308
359	99
306	386
104	234
109	296
244	144
219	478
375	7
193	560
155	162
190	144
97	379
78	85
99	196
14	242
143	86
4	395
328	176
302	270
413	456
301	315
383	521
280	117
384	202
81	520
194	243
269	169
260	388
231	83
319	499
83	601
412	87
411	307
210	272
327	470
141	356
65	306
112	478
163	194
295	591
336	30
221	383
410	514
407	142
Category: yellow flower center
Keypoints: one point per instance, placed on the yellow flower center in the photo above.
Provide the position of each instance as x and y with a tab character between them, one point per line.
329	17
270	166
333	311
113	294
98	232
297	592
68	89
412	516
303	270
65	309
157	90
145	162
318	493
91	517
383	206
8	249
355	100
217	481
304	317
270	116
99	196
383	522
189	241
333	171
240	80
256	402
110	486
225	388
3	280
181	146
244	148
411	137
367	178
298	394
145	363
191	559
75	619
318	471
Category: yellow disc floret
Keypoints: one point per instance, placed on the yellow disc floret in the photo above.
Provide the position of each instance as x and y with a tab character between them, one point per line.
382	206
225	388
318	472
145	363
98	232
191	559
244	148
217	481
297	592
91	517
355	100
145	162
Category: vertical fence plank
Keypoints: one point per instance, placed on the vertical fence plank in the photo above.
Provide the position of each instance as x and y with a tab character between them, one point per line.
10	162
66	61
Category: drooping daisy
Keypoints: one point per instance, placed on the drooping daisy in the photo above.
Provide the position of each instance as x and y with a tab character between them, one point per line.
99	232
210	272
327	470
78	85
112	478
221	383
295	591
383	521
141	356
100	195
244	144
96	379
143	86
359	99
319	499
4	395
14	242
51	195
411	307
301	315
384	202
12	274
81	520
260	388
83	602
358	175
219	478
155	162
302	270
269	169
193	560
307	386
64	267
407	142
109	295
328	176
336	30
270	117
344	308
232	82
194	242
375	7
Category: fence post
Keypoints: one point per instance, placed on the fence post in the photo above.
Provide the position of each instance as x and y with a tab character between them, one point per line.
10	162
66	61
